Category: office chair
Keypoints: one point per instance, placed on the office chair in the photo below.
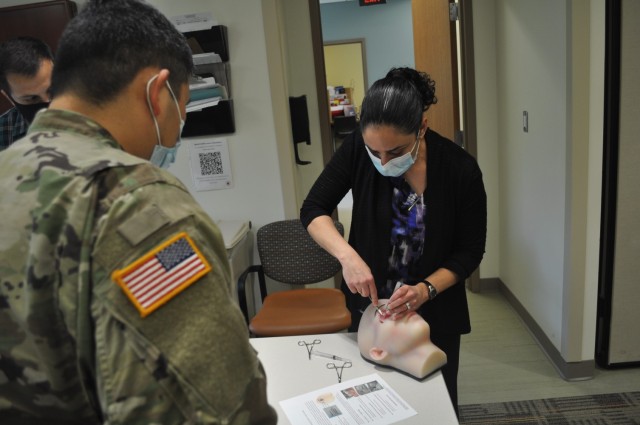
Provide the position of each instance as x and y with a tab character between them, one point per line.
289	255
342	127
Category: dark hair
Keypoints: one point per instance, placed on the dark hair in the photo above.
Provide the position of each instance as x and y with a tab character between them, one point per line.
398	100
22	56
105	46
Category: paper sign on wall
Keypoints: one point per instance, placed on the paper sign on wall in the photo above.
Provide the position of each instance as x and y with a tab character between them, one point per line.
210	164
193	22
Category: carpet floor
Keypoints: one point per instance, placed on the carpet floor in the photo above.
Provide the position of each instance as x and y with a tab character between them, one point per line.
599	409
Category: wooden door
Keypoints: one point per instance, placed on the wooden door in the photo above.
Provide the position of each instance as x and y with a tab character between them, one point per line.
435	51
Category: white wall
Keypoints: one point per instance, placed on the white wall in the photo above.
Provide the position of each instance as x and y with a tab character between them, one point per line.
531	71
544	57
262	173
301	80
484	39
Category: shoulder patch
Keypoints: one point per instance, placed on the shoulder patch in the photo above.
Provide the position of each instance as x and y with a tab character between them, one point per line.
162	273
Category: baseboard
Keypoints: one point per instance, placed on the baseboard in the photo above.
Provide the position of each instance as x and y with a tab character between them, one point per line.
488	283
570	371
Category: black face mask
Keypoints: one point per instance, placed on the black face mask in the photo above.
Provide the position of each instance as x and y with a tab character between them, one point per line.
28	112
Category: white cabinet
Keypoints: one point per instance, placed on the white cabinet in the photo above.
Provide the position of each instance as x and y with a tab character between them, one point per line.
239	243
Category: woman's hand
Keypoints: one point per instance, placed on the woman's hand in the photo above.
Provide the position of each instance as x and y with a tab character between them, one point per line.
356	273
358	277
405	299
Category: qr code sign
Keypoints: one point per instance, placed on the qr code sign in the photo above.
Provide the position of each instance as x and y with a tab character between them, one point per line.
211	163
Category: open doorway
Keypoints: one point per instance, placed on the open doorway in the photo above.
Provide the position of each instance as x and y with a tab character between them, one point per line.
441	34
430	35
346	75
345	66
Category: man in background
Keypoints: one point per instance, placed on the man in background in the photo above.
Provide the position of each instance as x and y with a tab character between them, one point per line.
115	305
25	76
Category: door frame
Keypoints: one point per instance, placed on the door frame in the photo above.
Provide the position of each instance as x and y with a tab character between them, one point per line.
321	80
468	106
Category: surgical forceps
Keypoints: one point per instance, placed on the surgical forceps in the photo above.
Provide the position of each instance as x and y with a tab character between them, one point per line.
309	344
377	307
339	369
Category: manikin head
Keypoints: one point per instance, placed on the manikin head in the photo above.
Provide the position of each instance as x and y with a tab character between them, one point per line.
403	344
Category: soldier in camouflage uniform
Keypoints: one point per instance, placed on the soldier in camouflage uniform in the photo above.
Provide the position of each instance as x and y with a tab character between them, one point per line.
82	210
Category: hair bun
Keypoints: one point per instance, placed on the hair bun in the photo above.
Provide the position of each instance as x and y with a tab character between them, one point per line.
421	81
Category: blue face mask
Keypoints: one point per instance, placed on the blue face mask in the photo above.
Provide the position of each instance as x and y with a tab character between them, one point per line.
396	166
163	156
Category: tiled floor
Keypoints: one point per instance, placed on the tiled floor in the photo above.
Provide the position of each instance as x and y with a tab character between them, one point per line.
500	361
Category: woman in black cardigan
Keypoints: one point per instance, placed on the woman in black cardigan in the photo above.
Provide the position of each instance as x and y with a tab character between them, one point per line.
419	214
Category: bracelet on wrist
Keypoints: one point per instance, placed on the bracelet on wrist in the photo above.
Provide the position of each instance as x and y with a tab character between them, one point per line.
432	292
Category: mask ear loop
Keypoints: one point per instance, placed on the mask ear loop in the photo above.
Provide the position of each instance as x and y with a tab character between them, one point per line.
418	144
175	100
155	121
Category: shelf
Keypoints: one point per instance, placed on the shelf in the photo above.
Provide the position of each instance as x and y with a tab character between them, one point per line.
213	40
216	119
210	50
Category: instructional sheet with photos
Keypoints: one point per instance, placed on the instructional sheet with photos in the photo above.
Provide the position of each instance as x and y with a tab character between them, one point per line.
365	400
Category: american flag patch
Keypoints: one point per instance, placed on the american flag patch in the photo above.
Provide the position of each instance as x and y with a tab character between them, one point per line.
162	273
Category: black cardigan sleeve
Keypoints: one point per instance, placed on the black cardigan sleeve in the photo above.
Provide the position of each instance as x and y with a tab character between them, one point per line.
470	221
331	186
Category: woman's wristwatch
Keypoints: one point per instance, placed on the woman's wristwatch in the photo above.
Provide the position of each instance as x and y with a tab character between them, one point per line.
431	290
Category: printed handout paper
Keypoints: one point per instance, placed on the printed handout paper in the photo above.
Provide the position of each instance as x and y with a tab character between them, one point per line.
365	400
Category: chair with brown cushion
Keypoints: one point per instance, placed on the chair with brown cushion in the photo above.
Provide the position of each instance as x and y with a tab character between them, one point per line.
289	255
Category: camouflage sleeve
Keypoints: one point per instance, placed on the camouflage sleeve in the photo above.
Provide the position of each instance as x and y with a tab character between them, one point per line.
190	360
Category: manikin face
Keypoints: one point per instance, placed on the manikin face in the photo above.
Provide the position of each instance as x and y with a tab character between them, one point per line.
403	344
395	337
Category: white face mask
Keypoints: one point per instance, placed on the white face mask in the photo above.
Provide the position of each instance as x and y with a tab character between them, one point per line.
396	166
163	156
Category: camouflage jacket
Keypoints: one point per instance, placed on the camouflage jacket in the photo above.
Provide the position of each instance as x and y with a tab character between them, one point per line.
74	207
